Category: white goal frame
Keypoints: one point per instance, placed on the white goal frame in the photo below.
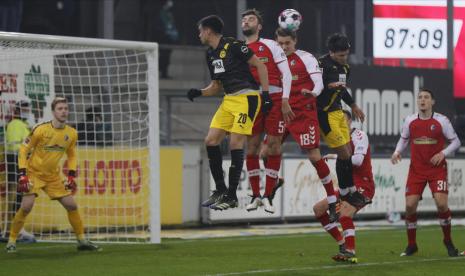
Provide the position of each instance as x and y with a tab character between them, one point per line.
153	103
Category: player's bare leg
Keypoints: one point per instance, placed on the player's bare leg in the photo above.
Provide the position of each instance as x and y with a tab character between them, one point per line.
323	172
215	159
444	215
27	204
411	205
253	169
74	218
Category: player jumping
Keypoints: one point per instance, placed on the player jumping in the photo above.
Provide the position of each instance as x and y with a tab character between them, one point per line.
228	60
307	84
272	122
334	129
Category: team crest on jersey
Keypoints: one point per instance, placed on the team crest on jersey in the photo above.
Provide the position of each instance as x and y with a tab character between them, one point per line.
222	53
244	49
293	62
226	46
66	137
261	49
27	140
433	127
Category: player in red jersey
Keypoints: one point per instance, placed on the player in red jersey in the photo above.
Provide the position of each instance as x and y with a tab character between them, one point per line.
307	84
363	180
427	132
269	121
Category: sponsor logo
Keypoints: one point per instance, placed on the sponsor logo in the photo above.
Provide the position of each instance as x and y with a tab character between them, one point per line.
384	181
218	65
263	59
8	83
54	148
37	87
425	141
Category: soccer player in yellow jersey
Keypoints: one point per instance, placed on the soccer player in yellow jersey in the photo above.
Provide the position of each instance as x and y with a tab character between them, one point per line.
39	169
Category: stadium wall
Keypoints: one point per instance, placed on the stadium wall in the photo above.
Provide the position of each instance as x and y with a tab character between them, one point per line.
302	189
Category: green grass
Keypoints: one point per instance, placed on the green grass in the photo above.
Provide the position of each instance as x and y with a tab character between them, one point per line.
378	253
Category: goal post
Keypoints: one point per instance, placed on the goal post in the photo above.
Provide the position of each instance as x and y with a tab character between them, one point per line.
112	90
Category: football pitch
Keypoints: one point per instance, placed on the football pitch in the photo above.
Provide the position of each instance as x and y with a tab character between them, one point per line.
296	254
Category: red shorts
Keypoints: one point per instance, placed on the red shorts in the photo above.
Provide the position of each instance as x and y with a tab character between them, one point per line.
304	128
273	123
416	183
365	185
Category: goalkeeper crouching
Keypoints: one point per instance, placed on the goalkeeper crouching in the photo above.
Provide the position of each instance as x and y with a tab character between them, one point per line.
39	168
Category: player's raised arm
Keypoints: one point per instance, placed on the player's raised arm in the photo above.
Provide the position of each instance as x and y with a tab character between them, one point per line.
212	89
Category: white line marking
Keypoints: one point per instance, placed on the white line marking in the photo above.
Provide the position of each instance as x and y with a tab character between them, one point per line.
336	266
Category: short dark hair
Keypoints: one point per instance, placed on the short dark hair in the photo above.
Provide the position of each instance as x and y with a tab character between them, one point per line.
428	91
255	12
337	43
347	113
213	22
58	100
285	32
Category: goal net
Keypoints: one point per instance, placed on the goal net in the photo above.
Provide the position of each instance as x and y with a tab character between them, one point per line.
112	90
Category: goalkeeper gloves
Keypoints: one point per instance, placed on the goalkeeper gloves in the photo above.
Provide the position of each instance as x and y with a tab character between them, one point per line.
70	184
267	104
23	182
193	93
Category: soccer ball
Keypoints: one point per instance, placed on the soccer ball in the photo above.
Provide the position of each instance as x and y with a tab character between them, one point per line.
290	19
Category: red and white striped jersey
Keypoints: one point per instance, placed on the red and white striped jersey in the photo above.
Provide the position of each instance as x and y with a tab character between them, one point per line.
270	53
360	145
302	65
427	137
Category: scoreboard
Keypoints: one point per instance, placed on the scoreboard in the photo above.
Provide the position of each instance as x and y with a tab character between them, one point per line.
413	33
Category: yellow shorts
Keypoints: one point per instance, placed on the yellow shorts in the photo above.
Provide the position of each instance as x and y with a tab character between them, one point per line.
237	113
334	129
54	187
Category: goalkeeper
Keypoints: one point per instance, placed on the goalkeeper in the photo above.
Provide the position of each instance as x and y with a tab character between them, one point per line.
45	147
